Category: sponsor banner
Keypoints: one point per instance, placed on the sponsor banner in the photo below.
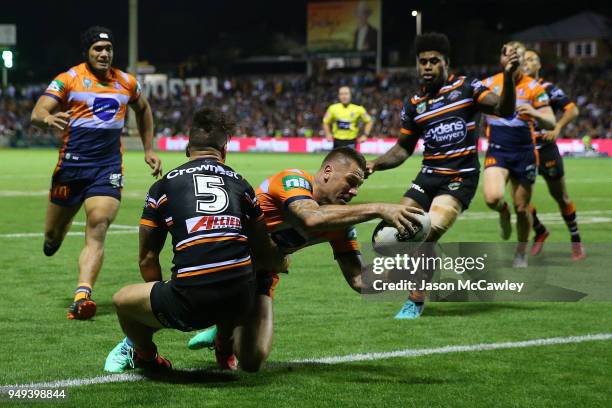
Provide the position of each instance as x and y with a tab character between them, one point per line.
372	146
343	26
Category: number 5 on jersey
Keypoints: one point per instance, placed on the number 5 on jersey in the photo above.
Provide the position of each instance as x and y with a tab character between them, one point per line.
215	199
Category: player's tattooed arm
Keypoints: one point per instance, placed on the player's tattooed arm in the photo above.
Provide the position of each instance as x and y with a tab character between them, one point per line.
265	253
315	218
152	241
395	156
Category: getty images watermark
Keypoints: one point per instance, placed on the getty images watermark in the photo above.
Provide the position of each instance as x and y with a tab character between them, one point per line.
471	271
414	265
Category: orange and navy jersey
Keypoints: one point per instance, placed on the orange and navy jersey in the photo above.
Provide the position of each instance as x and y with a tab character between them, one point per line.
274	196
447	123
559	102
516	132
92	138
204	205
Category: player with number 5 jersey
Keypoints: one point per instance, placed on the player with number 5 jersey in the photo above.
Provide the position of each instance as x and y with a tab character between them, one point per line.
219	238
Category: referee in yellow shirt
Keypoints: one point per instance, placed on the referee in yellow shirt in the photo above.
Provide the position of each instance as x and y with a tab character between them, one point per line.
344	118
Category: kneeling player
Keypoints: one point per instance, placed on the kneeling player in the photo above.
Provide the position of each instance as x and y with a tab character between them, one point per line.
551	162
444	115
216	224
302	210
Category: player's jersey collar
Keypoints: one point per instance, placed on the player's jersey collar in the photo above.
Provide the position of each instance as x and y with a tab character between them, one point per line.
424	93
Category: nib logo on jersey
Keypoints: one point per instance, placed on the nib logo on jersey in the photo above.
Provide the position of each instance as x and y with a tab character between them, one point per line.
105	108
445	132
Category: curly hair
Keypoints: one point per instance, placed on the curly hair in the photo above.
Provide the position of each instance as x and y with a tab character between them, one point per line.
432	42
211	129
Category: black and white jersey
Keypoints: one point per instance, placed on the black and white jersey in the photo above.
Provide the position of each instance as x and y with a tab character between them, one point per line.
559	102
204	205
447	123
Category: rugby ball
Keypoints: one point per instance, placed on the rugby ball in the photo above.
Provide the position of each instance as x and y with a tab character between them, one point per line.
386	236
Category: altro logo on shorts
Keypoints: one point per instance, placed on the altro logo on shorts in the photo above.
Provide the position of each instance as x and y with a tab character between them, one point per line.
105	108
446	132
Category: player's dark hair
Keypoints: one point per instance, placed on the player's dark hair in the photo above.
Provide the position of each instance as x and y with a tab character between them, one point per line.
345	153
211	129
432	42
93	35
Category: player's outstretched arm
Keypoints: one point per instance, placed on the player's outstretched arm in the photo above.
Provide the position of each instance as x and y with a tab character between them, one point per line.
144	121
395	156
265	253
43	117
151	242
316	218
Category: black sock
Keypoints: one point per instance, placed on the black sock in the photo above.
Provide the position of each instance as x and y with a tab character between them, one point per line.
572	226
538	227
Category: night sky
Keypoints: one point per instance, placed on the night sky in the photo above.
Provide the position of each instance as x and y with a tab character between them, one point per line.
171	32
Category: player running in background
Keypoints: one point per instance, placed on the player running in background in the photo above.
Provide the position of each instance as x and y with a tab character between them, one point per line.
88	104
302	210
443	113
344	118
216	225
551	162
511	155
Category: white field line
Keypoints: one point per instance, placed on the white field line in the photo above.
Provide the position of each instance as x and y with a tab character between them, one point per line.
115	229
584	217
106	379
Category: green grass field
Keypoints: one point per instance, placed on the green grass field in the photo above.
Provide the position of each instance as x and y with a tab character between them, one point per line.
317	314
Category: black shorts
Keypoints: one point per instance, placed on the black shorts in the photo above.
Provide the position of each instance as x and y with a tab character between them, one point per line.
551	162
342	143
426	186
198	307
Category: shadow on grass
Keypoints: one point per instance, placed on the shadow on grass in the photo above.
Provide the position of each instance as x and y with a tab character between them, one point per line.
466	309
281	372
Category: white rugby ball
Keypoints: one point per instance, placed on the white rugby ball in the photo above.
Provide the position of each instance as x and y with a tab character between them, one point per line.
386	236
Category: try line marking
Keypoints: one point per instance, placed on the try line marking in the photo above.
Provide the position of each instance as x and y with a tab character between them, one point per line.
131	377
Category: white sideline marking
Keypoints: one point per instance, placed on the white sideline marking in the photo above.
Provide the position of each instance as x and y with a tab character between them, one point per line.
70	234
457	349
106	379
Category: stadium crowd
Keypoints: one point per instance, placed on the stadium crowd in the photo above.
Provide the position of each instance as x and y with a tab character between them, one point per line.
294	105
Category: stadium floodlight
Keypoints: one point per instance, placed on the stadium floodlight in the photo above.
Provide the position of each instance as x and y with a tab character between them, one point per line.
418	15
7	58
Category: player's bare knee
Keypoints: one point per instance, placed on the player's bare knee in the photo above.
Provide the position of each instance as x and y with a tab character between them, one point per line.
120	299
442	218
493	200
521	210
253	362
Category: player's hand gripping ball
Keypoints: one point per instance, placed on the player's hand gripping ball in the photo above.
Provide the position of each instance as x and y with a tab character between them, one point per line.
387	240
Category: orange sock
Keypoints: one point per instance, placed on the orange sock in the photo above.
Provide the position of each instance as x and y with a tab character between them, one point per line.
83	291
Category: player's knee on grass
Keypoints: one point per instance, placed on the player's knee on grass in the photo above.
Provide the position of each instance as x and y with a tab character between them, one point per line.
253	359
